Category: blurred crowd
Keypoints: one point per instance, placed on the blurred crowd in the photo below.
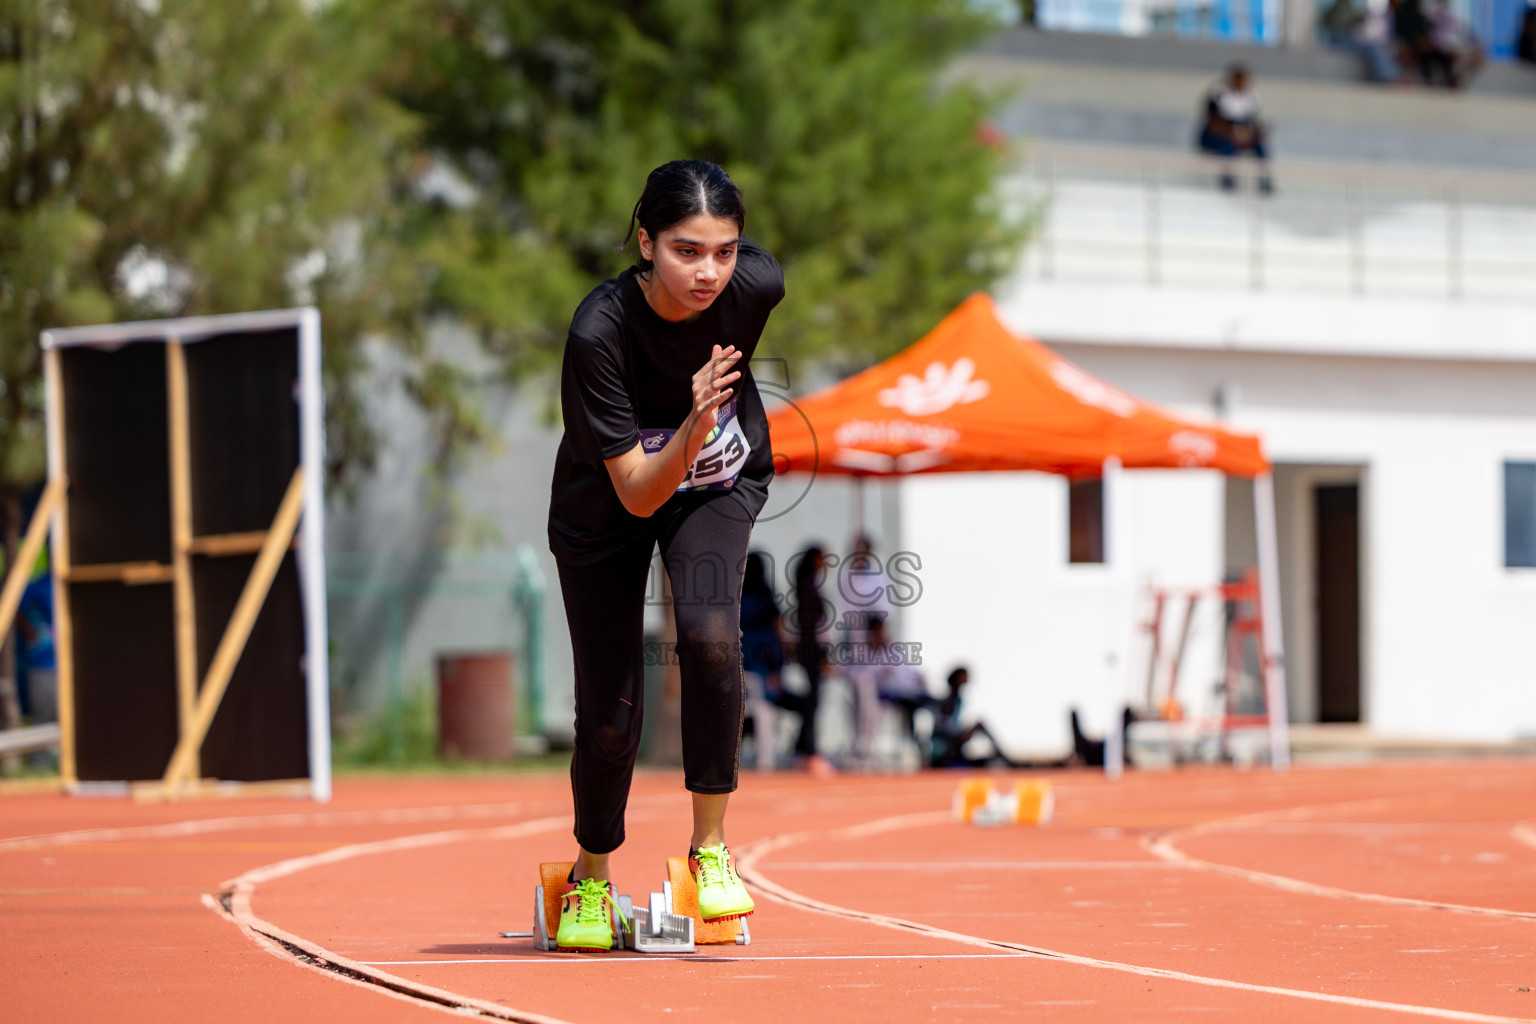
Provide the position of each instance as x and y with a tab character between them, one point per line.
836	620
1415	40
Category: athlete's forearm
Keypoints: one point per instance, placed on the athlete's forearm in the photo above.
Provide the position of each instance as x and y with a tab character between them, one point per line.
644	484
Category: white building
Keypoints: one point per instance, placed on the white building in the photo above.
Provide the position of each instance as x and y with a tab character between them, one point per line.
1406	411
1374	322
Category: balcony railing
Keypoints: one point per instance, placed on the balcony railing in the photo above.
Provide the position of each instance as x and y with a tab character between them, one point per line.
1123	215
1244	21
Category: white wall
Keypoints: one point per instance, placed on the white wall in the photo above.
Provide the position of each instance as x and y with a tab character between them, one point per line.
1039	634
1425	426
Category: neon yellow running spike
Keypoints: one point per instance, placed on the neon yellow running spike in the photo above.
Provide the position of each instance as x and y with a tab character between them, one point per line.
722	897
587	917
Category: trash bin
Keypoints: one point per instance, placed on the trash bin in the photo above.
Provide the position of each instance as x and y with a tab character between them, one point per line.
474	706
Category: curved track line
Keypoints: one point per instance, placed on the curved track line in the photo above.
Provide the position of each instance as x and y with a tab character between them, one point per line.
1525	832
1164	847
747	866
283	944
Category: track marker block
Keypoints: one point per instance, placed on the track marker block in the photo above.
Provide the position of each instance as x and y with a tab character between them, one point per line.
685	902
970	795
978	802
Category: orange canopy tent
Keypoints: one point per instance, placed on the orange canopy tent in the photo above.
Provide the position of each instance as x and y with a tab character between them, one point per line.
972	396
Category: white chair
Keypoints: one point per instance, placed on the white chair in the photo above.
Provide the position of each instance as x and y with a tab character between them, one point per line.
765	720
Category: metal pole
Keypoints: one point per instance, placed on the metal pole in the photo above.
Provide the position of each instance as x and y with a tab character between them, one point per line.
1152	184
1452	241
528	592
1114	734
1354	224
1255	243
1270	627
1047	230
395	641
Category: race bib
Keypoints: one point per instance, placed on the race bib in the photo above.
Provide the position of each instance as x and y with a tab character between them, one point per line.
720	460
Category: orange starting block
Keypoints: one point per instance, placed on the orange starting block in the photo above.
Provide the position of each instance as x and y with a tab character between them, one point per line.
979	802
685	903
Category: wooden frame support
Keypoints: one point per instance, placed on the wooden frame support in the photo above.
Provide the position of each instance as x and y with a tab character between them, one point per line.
63	617
181	770
16	575
181	535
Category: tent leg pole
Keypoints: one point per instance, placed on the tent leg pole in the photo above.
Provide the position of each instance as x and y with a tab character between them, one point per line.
857	511
1270	630
1109	524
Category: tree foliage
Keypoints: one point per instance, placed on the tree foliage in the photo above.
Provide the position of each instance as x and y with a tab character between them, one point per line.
870	182
171	157
399	164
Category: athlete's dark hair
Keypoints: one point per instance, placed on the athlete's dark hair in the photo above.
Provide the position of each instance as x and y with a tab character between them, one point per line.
678	190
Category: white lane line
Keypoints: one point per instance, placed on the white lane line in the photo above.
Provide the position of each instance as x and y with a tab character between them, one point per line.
1525	832
975	865
297	819
750	854
700	957
1164	846
274	939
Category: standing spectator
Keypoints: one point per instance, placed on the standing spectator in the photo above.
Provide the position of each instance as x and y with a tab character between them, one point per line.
863	591
1231	126
1525	46
812	619
762	650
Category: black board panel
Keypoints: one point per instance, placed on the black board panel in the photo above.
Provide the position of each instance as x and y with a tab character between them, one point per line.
125	680
261	728
243	411
116	453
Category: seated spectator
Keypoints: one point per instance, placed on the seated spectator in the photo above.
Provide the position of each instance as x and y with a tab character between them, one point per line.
1433	43
1366	33
897	682
878	674
950	735
1457	53
1089	751
1231	125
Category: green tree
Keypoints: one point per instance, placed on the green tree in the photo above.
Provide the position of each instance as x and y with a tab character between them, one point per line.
871	183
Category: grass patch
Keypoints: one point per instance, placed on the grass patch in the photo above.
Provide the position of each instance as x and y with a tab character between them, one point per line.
382	746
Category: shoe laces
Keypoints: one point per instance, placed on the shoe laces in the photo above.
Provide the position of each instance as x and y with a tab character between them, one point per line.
592	901
712	864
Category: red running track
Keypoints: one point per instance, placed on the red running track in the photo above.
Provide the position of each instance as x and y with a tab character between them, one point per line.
1389	892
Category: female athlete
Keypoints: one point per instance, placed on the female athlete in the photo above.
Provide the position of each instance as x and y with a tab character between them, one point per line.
666	443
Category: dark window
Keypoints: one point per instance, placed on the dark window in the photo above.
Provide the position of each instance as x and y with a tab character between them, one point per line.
1085	521
1520	515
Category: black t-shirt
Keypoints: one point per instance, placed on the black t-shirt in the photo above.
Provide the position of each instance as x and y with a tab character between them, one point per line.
625	369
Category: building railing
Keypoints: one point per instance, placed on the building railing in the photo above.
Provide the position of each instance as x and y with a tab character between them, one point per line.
1159	218
1244	21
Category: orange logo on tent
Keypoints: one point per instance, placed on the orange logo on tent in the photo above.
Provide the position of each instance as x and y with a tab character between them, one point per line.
940	389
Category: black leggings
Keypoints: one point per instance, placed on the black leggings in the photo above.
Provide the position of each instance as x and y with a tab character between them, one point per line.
703	542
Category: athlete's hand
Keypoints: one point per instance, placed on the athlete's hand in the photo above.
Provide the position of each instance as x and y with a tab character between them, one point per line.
710	388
